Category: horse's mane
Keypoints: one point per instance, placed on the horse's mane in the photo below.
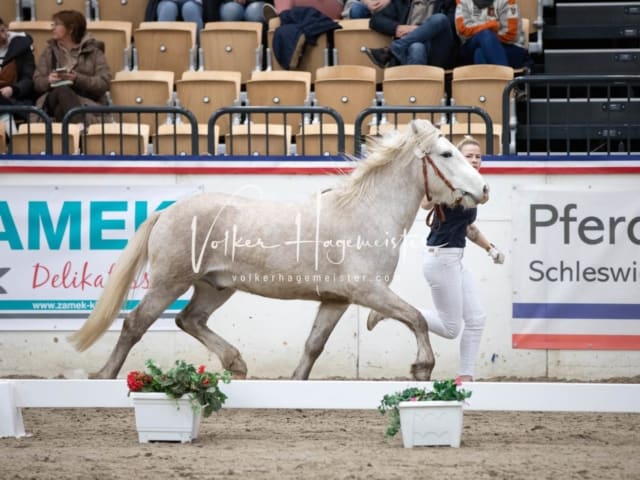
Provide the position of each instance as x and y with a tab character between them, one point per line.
381	152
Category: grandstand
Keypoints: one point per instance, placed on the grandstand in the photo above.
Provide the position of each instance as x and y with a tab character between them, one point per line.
582	96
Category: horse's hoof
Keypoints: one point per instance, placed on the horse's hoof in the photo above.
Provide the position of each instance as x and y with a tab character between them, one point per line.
373	319
238	368
421	371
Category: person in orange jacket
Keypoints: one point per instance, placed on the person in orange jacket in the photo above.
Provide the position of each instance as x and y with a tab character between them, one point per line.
491	32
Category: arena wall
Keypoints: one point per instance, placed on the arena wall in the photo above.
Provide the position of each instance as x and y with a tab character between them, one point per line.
271	333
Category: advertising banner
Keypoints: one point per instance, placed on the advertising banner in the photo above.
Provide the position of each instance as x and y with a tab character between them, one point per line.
576	268
58	245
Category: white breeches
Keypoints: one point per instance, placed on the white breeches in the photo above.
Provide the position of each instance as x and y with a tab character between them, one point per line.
456	299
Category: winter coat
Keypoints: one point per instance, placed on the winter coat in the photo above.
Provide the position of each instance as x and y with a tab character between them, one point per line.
93	75
397	13
503	17
19	56
295	22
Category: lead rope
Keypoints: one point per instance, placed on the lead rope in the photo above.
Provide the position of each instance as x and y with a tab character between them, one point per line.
437	208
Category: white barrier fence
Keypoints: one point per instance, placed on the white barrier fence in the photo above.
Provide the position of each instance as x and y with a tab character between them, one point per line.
320	394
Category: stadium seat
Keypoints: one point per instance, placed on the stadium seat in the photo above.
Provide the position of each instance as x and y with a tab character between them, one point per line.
9	11
3	139
480	86
204	92
314	56
176	140
122	10
531	10
350	42
279	88
413	85
317	139
348	89
30	139
44	9
235	46
40	32
169	46
117	139
258	139
116	36
142	88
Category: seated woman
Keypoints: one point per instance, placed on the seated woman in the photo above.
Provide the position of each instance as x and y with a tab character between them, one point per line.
72	70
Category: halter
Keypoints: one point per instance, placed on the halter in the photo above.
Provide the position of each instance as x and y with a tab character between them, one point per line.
437	208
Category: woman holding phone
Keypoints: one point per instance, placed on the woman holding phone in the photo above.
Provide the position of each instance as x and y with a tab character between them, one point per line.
72	70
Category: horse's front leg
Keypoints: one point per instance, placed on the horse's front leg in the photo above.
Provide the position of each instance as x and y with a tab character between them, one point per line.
326	320
386	304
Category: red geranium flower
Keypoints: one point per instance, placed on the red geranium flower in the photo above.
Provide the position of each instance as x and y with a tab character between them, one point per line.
136	380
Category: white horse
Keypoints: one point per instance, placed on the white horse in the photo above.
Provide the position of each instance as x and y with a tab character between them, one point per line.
340	247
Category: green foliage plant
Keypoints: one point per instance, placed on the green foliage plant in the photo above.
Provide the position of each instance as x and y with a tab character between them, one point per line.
444	390
200	385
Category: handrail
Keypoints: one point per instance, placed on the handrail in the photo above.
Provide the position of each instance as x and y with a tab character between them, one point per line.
312	111
123	109
525	83
27	110
469	110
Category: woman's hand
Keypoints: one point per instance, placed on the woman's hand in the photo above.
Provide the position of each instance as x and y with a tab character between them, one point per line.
377	5
69	76
6	92
54	77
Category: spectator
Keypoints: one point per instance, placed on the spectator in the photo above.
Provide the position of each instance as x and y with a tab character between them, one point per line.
247	10
363	8
491	32
72	70
16	70
331	8
174	10
423	31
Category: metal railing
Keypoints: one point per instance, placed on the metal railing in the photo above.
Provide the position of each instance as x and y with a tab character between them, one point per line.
566	114
26	112
447	116
309	115
114	113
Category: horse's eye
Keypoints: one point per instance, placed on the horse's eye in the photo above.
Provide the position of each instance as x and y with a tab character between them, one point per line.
447	154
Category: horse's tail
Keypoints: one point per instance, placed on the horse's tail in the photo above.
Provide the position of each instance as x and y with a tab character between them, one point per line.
128	266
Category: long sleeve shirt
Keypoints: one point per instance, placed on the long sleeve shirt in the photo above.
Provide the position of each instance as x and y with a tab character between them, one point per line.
503	17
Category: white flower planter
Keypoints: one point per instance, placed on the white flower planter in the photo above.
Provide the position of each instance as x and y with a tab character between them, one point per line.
431	423
160	418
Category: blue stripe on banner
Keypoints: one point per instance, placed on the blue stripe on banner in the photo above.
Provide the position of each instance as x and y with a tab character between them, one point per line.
67	305
617	311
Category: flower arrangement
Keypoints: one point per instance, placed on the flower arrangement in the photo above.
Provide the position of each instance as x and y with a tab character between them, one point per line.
182	379
445	390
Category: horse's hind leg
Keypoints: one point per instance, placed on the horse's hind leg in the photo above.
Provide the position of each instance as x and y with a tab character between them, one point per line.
137	322
193	320
326	320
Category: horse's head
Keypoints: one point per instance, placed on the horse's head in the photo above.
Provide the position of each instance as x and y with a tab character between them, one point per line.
448	176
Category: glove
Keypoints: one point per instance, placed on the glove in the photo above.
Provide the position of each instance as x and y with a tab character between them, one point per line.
496	255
